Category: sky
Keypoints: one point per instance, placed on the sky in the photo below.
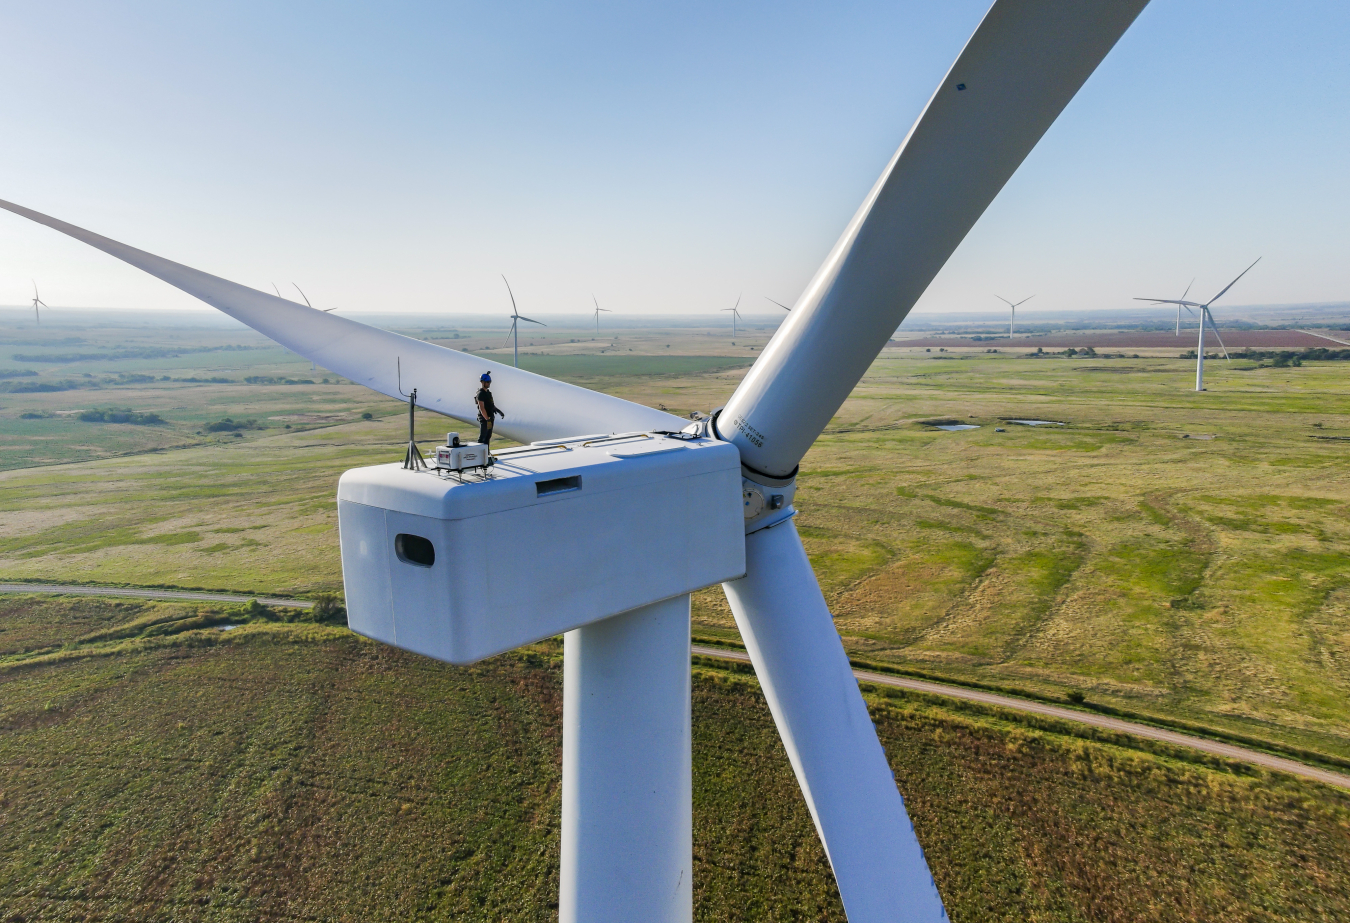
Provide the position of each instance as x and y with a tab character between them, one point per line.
661	158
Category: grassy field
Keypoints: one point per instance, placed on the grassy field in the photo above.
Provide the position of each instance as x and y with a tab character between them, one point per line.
1201	579
158	767
1178	556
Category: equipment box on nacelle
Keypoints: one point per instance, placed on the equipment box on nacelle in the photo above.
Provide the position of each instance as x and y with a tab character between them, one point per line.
556	536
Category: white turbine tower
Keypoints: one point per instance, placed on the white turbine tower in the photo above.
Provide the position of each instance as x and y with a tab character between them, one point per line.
598	309
36	303
1205	315
516	318
735	315
609	563
1013	319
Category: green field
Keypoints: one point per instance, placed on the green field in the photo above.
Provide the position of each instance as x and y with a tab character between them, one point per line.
1203	581
157	767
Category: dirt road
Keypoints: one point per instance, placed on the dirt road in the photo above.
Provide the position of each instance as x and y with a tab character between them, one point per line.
1217	748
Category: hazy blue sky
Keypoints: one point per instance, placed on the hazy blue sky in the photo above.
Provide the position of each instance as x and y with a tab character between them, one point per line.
664	157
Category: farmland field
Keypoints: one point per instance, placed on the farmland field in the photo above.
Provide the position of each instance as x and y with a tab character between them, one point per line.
157	767
1177	556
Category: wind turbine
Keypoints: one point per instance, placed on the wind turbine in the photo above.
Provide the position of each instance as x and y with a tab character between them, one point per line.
734	315
1205	315
36	302
1012	320
598	309
516	316
627	780
1183	298
313	366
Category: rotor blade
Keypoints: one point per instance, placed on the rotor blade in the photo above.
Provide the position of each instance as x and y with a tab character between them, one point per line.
1231	284
1004	300
1215	327
779	303
1024	300
1019	70
510	331
275	289
512	294
304	296
538	407
830	740
539	322
1188	304
1188	290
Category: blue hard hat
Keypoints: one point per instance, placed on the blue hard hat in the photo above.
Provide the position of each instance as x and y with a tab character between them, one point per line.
486	376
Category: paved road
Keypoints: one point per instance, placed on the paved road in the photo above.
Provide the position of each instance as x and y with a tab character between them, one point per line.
1228	751
149	594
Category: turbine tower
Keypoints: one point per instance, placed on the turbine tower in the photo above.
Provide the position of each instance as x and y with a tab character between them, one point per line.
516	317
36	302
1205	315
735	314
598	309
627	781
1013	319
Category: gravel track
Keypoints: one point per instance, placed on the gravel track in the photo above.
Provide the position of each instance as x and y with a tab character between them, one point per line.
1026	706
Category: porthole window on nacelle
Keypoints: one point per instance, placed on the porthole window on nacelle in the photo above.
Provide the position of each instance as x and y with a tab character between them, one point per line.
414	549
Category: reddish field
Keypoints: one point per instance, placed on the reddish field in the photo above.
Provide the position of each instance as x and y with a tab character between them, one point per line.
1142	339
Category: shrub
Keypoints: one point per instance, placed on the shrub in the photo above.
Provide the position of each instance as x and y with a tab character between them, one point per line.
256	610
328	607
228	425
115	415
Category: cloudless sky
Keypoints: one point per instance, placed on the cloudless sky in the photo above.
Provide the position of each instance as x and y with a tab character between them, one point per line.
666	158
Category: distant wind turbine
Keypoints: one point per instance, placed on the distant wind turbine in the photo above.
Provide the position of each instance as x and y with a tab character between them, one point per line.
1012	320
1205	314
598	309
779	303
516	316
734	315
36	302
1183	298
312	366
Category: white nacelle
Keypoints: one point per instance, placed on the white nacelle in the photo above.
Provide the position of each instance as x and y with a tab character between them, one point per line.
559	535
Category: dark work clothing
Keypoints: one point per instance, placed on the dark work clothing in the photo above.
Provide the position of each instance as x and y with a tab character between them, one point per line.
483	400
484	396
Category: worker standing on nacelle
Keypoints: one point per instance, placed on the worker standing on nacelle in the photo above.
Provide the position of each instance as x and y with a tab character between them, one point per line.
487	409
